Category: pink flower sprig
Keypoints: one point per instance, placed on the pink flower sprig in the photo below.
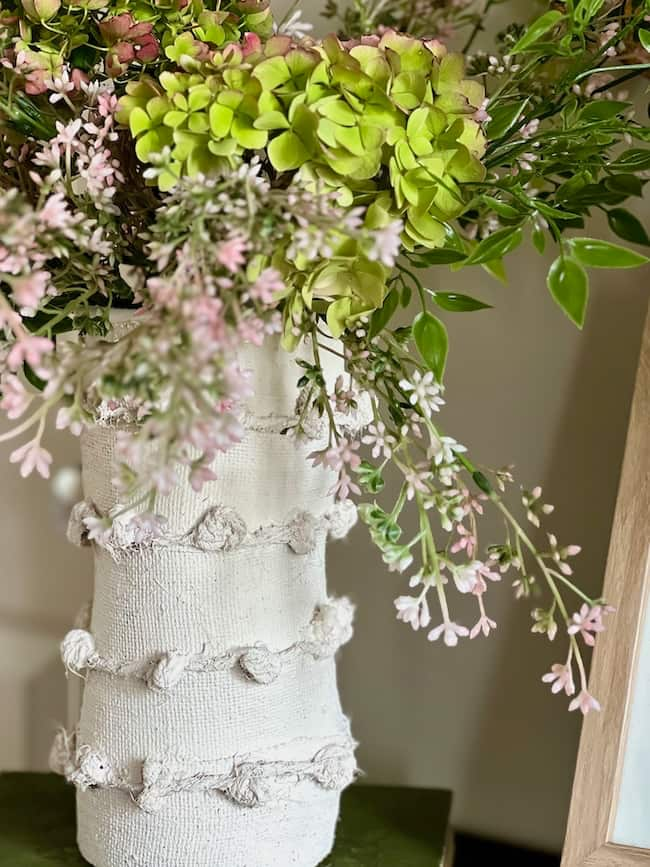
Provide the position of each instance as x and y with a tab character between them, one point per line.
588	622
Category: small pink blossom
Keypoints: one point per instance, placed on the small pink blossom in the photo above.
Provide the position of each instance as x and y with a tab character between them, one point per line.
251	330
54	213
344	486
560	554
484	625
32	456
147	526
164	480
414	611
472	502
530	129
466	541
481	114
199	475
28	291
561	678
15	398
107	104
31	349
344	398
416	478
387	243
267	285
343	454
584	702
465	577
588	622
98	529
230	253
382	442
451	632
67	132
65	420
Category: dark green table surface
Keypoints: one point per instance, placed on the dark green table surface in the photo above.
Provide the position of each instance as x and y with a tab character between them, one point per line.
379	826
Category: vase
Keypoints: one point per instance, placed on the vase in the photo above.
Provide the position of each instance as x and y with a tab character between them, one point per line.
211	732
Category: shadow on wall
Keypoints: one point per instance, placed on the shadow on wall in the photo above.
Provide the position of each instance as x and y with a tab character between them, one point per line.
511	738
523	385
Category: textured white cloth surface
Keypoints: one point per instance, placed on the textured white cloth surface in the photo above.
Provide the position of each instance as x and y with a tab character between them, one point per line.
163	599
207	831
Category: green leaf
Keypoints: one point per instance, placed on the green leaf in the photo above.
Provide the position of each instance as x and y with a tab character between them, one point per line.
627	226
481	482
271	120
625	185
380	318
457	303
503	118
246	135
644	38
495	246
633	160
603	109
173	118
287	152
536	30
337	315
272	73
502	209
569	285
33	378
441	256
221	118
496	269
370	477
432	342
200	96
553	213
139	121
539	240
595	253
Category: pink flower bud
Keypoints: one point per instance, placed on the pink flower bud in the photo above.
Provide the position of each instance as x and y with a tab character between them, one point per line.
41	10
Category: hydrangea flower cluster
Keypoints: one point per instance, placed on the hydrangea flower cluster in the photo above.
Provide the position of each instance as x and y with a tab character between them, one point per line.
180	179
389	117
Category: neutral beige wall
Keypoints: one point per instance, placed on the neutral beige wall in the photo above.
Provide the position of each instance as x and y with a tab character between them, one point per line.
523	386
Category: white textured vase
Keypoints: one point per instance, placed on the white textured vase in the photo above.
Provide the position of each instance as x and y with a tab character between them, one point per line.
211	732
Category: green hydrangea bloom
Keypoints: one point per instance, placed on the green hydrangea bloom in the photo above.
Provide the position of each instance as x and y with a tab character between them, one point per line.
388	122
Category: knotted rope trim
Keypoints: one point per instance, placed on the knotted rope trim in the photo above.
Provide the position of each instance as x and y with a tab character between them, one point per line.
220	528
123	414
329	629
246	780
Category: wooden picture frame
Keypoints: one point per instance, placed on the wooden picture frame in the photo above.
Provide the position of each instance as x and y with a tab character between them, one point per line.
597	784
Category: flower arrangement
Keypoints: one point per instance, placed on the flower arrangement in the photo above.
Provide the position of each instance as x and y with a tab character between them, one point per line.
230	178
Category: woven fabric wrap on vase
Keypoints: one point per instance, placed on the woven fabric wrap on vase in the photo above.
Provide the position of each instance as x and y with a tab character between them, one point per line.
211	732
